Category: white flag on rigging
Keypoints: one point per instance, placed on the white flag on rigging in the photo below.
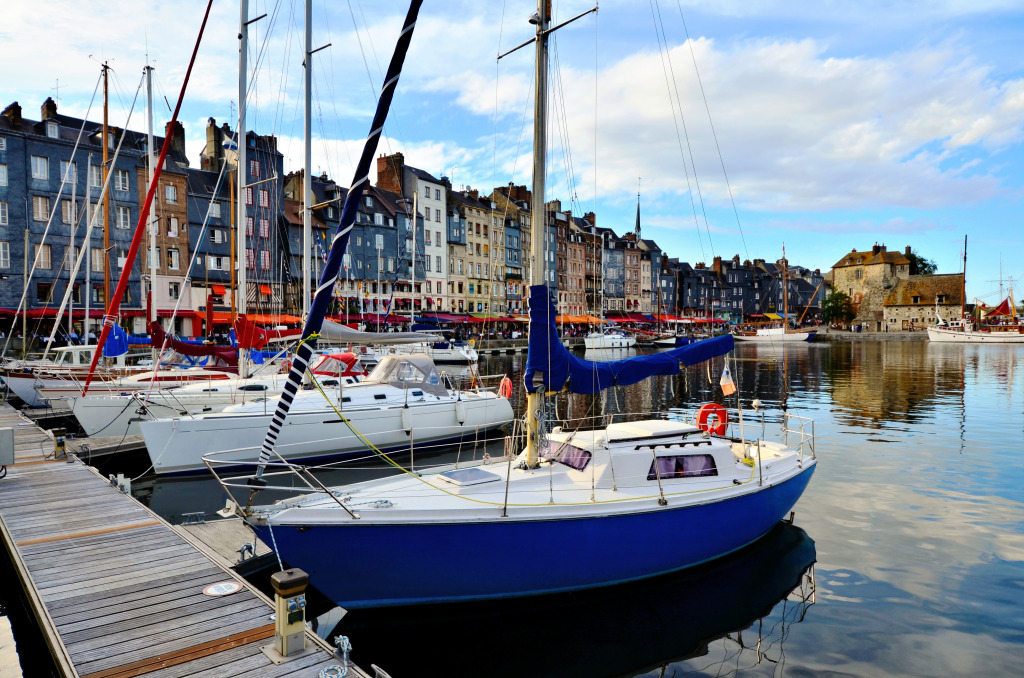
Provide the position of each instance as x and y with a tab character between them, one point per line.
728	387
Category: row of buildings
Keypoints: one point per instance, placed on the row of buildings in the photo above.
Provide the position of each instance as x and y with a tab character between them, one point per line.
418	244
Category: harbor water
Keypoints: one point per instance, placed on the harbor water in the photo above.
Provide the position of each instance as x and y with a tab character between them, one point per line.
906	556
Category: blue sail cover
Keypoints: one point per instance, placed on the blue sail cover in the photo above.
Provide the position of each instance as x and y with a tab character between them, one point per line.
116	343
551	363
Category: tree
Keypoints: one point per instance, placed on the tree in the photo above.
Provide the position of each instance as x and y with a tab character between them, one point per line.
837	308
919	265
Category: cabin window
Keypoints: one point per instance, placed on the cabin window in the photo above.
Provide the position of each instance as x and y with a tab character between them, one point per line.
379	396
570	455
346	399
253	387
683	466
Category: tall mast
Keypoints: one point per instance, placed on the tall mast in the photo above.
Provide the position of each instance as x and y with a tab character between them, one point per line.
534	401
243	170
785	292
87	245
963	290
412	271
103	198
307	180
153	222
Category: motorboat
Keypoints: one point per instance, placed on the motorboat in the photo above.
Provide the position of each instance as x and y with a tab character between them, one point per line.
404	401
609	338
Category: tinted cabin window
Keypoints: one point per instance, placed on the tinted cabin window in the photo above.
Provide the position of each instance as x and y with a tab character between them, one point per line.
571	456
683	466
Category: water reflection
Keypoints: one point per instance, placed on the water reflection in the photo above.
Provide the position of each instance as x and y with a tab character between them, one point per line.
745	602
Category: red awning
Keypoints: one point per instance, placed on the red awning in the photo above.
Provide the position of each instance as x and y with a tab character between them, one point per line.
265	289
218	289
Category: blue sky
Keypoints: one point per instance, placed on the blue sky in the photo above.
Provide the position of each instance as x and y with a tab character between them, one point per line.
838	124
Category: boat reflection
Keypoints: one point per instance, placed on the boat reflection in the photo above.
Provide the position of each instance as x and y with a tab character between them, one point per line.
617	631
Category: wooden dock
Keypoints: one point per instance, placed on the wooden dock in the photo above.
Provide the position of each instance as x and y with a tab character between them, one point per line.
117	592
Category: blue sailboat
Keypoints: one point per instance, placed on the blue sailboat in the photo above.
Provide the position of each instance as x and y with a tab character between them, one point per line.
576	509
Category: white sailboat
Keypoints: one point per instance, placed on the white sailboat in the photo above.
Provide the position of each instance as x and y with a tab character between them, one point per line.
777	333
632	500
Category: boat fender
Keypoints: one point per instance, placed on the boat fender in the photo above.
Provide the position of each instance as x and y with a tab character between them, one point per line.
460	411
505	388
407	419
721	423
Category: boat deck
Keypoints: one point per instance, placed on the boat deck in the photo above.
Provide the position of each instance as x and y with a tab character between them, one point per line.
119	593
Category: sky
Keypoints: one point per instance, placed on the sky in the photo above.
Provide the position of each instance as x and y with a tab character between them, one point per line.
745	126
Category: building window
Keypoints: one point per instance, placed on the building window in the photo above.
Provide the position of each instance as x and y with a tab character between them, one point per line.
216	236
215	263
40	207
250	258
215	210
264	198
426	264
3	143
172	259
5	253
51	130
3	175
43	256
940	299
95	176
40	167
265	260
248	227
44	292
124	217
67	212
915	299
98	262
173	290
426	191
171	194
153	257
437	260
121	180
254	168
264	228
172	227
248	195
378	219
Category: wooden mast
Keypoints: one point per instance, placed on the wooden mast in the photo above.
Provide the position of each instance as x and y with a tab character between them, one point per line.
104	198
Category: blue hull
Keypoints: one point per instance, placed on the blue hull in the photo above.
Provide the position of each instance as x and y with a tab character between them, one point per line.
378	565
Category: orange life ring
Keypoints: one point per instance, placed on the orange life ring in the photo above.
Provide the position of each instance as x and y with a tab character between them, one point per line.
505	388
721	415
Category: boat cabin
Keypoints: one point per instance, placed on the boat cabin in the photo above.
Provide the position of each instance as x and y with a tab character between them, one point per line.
408	371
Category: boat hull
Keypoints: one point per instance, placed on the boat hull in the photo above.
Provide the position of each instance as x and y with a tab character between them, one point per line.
608	342
359	565
942	335
178	445
767	336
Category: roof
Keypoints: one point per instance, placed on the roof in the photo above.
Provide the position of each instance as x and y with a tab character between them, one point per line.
926	288
420	174
871	258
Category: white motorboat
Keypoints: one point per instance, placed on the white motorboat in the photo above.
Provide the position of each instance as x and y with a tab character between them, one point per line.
774	334
401	402
120	413
610	338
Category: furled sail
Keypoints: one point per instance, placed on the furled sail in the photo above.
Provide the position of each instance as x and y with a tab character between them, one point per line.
325	288
551	367
223	355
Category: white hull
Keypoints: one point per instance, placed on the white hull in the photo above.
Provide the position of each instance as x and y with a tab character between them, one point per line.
774	334
609	341
439	354
943	335
177	445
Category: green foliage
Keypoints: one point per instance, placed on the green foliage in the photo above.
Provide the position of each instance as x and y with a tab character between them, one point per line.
837	308
919	265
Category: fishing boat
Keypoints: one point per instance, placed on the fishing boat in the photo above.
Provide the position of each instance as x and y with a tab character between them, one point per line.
965	331
774	332
576	509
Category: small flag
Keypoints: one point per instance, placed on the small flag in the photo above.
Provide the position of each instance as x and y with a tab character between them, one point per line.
728	388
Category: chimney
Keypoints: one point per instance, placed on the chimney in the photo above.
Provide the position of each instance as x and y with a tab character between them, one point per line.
591	218
473	193
875	249
13	113
716	265
49	109
176	131
389	172
907	252
212	154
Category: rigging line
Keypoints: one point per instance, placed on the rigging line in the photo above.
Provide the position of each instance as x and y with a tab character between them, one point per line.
686	131
380	72
104	191
78	140
663	48
329	78
714	134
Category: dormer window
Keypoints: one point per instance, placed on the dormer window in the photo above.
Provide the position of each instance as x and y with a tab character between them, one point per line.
915	299
940	299
369	201
51	129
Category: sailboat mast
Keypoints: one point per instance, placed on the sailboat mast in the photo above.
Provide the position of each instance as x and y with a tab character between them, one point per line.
785	292
412	267
243	171
534	400
151	162
963	289
307	180
103	198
